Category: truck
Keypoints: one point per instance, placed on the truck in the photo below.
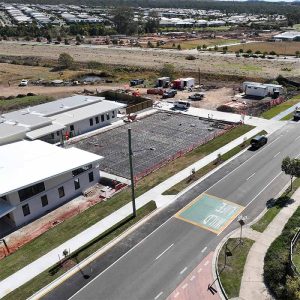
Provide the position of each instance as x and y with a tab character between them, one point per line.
135	82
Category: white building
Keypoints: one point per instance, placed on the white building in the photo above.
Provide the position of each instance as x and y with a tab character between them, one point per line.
288	36
37	177
54	120
262	89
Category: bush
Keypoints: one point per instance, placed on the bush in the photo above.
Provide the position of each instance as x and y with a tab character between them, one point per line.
272	53
190	57
66	61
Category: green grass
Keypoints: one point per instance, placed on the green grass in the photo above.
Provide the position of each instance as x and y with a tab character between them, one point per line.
187	181
269	114
288	117
231	275
48	276
71	227
296	256
272	212
17	103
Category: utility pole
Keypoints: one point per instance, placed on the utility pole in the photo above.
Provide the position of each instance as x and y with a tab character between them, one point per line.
199	75
131	173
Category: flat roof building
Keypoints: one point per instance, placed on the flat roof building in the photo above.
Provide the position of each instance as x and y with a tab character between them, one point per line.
288	36
37	177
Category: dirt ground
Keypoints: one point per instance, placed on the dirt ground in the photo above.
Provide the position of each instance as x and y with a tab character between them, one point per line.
155	58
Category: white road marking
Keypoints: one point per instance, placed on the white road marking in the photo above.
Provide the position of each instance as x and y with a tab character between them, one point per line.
164	252
183	270
297	138
199	270
176	295
250	176
276	154
158	295
184	286
192	278
206	263
203	249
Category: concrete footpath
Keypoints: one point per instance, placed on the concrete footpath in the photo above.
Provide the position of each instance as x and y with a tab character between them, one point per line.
43	263
252	284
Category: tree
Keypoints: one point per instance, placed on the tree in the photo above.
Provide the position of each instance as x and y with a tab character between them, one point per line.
204	47
225	49
297	53
66	61
152	22
291	167
123	20
216	48
168	70
293	287
178	47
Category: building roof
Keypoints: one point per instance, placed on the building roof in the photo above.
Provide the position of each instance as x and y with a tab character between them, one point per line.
38	133
86	112
287	35
9	130
28	162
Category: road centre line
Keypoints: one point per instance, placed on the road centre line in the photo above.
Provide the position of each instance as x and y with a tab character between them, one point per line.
276	154
203	250
206	263
184	286
176	295
199	270
250	176
183	270
192	278
164	251
158	295
297	138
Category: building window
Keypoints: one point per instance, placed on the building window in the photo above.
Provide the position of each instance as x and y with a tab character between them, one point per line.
76	184
91	122
91	176
57	133
4	197
31	191
78	171
113	114
26	210
97	120
102	118
44	200
107	116
61	192
72	127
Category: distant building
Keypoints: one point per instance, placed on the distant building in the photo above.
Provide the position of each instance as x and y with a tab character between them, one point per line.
257	89
53	121
288	36
37	177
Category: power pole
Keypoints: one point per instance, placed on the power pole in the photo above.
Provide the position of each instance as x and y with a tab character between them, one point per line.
131	173
199	75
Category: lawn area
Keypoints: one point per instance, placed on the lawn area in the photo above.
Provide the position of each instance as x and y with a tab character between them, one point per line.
288	117
194	43
51	274
272	212
231	274
269	114
71	227
188	181
296	256
283	48
17	103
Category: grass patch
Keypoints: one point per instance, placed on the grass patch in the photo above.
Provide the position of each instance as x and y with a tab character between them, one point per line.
48	276
231	274
18	103
275	207
71	227
269	114
288	117
187	181
296	256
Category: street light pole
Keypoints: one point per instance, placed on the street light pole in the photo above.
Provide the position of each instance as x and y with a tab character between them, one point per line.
131	173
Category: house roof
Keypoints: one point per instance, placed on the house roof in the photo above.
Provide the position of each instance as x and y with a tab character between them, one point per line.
38	133
28	162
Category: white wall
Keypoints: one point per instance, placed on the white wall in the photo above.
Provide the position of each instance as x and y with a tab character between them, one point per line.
256	91
51	190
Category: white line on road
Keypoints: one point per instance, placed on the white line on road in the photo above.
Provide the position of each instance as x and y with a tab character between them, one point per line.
176	295
164	252
297	138
184	286
158	295
192	278
250	176
203	249
199	270
206	263
276	154
183	270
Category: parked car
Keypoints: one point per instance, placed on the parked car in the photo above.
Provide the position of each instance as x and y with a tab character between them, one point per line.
136	82
24	82
169	94
258	141
197	96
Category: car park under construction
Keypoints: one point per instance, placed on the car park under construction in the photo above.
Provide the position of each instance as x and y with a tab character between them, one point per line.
156	140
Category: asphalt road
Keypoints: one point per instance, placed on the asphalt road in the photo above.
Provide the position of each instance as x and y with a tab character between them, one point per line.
154	267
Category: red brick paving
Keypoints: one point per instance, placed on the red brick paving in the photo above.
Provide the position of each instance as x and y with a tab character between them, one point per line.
194	286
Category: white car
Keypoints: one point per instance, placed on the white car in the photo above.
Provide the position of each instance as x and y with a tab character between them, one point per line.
24	82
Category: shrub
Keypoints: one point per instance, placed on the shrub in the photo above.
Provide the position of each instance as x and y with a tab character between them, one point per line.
179	47
190	57
272	53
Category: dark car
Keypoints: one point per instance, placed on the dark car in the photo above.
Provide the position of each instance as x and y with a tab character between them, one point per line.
169	94
258	141
135	82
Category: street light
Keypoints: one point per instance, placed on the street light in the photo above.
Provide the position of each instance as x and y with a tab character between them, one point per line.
131	173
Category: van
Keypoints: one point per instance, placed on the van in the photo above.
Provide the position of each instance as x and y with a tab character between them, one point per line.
182	104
